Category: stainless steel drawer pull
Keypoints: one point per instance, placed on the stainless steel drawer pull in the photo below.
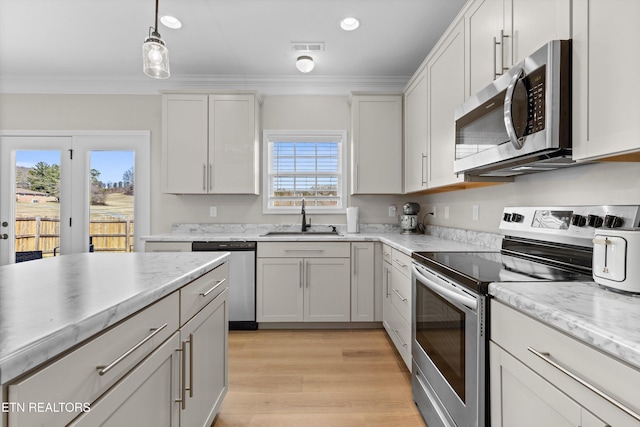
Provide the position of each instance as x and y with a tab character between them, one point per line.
218	283
399	263
547	358
106	368
399	296
395	331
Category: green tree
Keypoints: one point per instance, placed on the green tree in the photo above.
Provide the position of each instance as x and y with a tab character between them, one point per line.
45	178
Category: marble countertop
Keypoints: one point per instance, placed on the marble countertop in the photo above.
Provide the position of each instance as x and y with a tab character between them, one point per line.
606	320
48	306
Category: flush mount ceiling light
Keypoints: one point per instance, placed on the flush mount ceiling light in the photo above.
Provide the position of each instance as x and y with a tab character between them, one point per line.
349	24
155	55
304	63
170	22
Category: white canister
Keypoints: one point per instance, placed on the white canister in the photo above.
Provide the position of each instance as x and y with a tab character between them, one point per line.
616	259
352	220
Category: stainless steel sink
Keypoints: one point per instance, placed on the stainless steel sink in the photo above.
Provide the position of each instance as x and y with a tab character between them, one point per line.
302	233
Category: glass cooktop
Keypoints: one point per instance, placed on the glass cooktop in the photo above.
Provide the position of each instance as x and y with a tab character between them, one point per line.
477	269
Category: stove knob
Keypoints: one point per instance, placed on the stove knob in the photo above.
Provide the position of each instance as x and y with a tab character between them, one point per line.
516	217
579	220
506	217
612	221
594	221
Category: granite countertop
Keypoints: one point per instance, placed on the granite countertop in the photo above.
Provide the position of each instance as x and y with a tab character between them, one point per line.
606	320
50	305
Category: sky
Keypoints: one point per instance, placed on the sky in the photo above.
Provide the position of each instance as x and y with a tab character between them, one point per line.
111	164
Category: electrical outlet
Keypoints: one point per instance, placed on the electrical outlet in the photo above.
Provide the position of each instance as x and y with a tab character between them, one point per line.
446	212
213	211
434	211
475	213
392	211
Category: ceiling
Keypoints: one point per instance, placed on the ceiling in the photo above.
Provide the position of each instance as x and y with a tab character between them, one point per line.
95	46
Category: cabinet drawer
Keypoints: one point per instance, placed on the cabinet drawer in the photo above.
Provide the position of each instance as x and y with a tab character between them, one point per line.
400	293
517	333
197	294
304	249
401	261
76	376
400	333
167	247
386	253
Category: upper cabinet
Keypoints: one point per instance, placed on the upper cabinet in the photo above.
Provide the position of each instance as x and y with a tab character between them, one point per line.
415	133
500	33
445	77
376	144
210	143
605	64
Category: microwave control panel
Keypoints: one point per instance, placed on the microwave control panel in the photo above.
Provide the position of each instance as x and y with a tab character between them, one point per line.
534	83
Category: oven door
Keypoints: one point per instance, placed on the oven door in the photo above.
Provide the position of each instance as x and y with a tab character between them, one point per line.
446	340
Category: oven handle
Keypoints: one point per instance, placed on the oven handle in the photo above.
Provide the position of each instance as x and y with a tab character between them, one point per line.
460	298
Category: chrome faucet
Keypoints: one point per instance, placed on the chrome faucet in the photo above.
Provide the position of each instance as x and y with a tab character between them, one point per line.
305	226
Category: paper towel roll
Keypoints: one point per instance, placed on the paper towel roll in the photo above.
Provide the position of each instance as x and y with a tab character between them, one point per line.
352	220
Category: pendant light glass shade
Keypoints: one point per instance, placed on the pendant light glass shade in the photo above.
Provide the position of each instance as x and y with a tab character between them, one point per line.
155	57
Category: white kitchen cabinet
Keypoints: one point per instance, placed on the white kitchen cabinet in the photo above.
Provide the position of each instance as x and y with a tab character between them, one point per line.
376	144
415	133
605	64
303	282
167	247
397	300
210	143
539	377
446	91
500	33
205	346
362	282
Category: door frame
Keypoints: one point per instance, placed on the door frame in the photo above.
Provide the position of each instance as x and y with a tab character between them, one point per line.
83	142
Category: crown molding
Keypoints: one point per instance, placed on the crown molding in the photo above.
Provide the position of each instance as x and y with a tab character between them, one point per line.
265	85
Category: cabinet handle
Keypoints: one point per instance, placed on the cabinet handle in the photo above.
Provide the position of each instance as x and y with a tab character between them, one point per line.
103	369
306	268
395	331
495	60
218	283
502	37
210	177
355	261
305	250
183	374
422	168
357	177
547	358
190	388
399	263
204	177
388	280
395	291
301	274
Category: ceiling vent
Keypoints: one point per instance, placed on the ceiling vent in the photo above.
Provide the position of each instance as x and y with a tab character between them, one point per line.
307	46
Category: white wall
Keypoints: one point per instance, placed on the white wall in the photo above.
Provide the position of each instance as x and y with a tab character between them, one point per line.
138	112
597	184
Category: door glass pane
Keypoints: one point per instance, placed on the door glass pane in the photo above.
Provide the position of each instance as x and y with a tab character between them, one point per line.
111	199
37	205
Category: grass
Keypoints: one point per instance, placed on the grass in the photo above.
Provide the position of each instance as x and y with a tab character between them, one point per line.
117	205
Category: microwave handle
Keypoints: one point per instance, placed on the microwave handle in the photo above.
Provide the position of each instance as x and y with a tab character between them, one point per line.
508	103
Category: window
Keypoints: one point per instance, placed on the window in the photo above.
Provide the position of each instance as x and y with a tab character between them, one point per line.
304	164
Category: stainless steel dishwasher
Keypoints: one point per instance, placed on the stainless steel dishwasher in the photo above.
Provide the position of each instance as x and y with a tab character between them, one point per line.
242	280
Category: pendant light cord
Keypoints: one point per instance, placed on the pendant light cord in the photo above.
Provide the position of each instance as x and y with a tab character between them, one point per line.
156	26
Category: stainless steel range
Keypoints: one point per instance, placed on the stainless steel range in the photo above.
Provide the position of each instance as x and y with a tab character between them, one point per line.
450	307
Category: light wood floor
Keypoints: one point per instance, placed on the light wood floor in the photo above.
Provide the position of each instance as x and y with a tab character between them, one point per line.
316	378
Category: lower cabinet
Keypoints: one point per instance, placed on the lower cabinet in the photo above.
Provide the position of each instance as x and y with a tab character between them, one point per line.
362	282
540	377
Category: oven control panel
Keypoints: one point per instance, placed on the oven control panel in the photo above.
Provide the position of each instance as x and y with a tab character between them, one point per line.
566	224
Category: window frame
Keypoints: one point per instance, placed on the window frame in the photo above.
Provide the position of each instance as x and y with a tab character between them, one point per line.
271	135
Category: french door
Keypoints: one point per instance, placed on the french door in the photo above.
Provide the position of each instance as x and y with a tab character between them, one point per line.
63	193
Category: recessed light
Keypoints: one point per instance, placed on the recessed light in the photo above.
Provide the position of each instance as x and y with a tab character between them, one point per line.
349	24
171	22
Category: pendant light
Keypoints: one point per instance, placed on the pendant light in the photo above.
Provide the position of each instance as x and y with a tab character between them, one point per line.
155	55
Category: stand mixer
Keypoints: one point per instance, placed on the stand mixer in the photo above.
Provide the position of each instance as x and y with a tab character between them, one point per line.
409	221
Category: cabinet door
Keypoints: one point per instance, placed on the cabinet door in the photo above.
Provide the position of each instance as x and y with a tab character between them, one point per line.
605	66
376	134
415	134
233	139
483	22
531	24
184	143
362	282
522	398
446	92
145	397
279	291
327	294
204	339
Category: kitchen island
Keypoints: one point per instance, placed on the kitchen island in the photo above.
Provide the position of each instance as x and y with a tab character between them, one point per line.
75	327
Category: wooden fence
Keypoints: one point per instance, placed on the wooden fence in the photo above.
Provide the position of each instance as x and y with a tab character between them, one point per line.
43	234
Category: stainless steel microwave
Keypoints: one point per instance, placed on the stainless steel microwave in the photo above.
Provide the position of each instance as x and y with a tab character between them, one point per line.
521	123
